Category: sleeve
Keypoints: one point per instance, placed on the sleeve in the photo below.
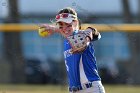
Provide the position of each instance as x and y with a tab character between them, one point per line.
95	34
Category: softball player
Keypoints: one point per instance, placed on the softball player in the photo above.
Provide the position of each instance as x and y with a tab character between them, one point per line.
81	68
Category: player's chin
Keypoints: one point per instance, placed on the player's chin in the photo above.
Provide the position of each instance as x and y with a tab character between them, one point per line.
67	34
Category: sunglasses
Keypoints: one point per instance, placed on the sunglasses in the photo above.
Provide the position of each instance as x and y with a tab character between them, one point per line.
64	15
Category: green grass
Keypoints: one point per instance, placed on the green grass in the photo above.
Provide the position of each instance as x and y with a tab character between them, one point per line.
62	89
122	89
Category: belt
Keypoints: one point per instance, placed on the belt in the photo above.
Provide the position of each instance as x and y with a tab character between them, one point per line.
84	86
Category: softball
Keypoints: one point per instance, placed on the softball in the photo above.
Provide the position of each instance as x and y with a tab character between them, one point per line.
43	32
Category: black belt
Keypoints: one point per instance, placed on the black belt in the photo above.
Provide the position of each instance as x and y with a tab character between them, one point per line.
84	86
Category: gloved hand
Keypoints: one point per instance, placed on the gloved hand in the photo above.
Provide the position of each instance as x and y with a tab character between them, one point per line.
79	41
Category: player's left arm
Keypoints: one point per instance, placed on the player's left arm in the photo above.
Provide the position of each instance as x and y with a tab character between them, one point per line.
95	34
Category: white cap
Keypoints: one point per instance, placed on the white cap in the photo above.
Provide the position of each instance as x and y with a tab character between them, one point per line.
66	20
69	19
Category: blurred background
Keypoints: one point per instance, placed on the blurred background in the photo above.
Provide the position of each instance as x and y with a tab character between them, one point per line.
26	58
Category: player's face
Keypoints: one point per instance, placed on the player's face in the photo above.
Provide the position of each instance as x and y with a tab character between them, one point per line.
67	29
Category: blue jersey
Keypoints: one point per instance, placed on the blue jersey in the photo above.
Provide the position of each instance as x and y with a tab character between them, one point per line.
81	68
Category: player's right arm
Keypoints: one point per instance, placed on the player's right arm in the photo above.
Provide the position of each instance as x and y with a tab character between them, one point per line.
45	30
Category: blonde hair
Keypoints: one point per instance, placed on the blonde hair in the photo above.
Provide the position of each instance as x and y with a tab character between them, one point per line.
68	10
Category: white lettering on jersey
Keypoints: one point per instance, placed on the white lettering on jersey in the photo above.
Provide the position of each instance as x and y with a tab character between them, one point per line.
66	65
67	53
